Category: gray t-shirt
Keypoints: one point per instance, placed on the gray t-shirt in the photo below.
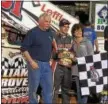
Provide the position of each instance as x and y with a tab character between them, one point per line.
85	48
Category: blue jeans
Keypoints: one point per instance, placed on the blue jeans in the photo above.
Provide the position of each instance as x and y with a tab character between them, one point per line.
43	76
84	99
81	99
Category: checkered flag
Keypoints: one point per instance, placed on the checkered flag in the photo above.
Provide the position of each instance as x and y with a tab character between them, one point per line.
16	63
19	63
4	63
93	73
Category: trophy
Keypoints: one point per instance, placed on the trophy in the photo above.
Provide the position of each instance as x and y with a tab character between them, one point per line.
65	57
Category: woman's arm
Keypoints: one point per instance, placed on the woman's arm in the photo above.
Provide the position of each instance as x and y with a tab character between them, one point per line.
89	48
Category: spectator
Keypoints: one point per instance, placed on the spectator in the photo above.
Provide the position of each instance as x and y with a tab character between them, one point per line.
90	34
106	38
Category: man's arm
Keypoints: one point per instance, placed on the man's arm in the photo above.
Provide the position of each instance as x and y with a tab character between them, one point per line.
25	47
30	60
89	48
96	42
96	45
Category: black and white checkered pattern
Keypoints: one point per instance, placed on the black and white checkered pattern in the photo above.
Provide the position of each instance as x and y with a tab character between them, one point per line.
4	63
100	63
16	63
19	63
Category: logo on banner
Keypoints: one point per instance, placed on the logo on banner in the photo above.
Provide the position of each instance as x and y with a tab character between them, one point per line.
94	74
103	13
101	17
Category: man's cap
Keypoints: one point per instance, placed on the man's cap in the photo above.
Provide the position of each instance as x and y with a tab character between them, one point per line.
64	22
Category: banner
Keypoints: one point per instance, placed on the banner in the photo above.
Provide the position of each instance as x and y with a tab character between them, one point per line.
14	81
101	17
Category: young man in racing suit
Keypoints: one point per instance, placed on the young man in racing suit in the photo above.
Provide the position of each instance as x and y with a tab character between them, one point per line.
62	74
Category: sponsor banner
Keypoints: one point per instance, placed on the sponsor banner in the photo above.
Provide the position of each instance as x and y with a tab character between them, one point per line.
101	17
14	81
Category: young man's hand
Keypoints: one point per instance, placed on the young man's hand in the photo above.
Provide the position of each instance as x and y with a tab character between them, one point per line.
60	55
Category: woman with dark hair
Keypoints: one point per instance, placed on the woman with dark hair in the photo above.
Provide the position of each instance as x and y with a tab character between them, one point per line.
81	47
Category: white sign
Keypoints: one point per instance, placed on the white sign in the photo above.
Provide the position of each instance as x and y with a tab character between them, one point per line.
101	17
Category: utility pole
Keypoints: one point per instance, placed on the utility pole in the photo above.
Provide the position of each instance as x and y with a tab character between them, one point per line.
90	13
107	12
